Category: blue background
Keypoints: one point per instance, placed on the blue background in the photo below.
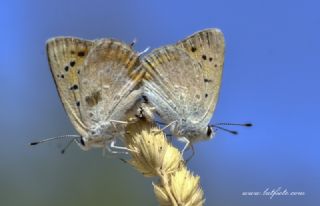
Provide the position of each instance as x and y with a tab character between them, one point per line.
271	78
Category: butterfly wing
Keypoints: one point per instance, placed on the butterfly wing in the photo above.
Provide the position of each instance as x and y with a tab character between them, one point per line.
172	83
109	76
206	47
66	57
183	80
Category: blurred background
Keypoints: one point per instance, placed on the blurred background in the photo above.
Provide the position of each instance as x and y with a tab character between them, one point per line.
271	78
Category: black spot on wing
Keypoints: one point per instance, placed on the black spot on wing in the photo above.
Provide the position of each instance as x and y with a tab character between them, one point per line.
204	57
193	49
81	53
72	63
74	87
66	68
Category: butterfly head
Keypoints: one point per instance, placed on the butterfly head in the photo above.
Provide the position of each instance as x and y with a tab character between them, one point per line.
82	144
206	133
94	139
194	133
210	132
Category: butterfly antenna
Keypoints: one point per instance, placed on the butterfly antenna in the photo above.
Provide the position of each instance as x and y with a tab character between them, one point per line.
218	126
224	129
67	145
235	124
55	138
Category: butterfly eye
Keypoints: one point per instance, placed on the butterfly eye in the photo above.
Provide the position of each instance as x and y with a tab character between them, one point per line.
82	142
209	131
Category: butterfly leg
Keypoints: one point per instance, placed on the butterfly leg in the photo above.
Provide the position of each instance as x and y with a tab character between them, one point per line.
184	139
144	51
114	122
171	123
193	153
112	148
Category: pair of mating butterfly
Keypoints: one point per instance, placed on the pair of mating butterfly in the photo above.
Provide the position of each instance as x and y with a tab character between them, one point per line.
101	81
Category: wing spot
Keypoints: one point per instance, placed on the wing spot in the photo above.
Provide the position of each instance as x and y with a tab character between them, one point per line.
94	99
81	53
58	75
72	52
62	76
204	57
215	65
193	49
72	63
210	59
78	104
207	80
66	68
206	95
78	71
197	96
74	87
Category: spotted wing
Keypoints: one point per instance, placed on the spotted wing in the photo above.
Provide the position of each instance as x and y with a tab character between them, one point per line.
206	47
109	76
173	83
66	57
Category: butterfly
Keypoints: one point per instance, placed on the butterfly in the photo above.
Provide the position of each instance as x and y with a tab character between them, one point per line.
182	83
97	82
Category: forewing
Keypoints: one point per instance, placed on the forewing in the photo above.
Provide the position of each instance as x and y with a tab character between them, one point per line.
109	76
206	47
172	83
66	57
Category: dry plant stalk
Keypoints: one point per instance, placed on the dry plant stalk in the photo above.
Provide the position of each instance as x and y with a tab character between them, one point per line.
155	156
